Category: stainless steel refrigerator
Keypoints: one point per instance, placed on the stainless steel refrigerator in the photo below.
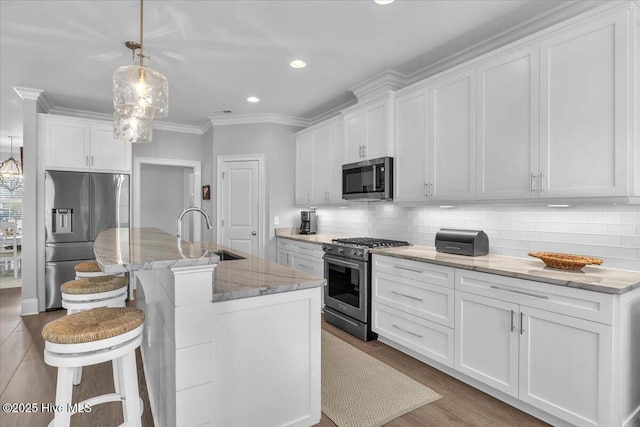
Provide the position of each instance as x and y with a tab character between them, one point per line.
79	206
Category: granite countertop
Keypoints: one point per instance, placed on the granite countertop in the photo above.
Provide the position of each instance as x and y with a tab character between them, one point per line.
119	250
124	249
294	234
597	279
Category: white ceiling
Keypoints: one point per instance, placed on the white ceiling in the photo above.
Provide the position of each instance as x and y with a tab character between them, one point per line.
217	53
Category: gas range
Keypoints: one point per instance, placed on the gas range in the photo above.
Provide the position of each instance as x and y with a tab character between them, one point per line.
358	248
347	294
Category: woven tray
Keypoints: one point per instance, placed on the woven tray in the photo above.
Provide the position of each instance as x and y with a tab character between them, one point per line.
565	261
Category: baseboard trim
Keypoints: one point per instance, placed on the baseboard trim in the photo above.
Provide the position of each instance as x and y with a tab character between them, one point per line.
29	306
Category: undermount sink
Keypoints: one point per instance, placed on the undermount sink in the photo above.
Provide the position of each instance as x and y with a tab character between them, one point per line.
228	256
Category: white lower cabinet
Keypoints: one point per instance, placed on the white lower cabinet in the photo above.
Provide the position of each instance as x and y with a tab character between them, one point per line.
512	335
301	256
563	354
412	305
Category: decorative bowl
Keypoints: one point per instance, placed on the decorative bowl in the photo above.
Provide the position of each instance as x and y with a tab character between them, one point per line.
565	261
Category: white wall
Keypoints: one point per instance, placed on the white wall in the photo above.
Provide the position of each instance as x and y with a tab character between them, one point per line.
162	196
276	143
611	233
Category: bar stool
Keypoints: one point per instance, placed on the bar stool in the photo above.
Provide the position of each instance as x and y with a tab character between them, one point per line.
88	269
88	338
93	292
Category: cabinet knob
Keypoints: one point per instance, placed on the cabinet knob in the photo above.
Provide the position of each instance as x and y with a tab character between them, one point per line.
253	233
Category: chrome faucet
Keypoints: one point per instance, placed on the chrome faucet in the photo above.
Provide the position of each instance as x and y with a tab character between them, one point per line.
206	217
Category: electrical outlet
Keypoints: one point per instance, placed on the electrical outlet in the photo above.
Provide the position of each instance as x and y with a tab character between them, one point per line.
276	220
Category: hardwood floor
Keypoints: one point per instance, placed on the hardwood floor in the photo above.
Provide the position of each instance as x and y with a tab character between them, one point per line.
24	378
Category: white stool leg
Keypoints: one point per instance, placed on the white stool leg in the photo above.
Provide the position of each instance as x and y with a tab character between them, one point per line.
118	380
77	375
64	391
129	375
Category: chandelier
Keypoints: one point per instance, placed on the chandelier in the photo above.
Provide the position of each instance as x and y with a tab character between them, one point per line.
11	172
140	95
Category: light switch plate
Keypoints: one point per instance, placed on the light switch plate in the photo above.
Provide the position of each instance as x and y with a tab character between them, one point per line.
276	220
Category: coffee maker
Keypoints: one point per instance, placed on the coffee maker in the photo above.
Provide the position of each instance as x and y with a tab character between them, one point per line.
308	224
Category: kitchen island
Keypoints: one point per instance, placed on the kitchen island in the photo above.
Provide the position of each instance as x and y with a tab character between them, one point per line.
226	343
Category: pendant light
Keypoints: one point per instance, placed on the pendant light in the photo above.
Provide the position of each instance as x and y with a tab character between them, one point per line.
11	172
140	95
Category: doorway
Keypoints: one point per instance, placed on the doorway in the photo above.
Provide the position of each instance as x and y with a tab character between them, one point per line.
241	203
162	189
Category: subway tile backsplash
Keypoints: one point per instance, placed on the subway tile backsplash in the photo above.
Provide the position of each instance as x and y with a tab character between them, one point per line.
608	232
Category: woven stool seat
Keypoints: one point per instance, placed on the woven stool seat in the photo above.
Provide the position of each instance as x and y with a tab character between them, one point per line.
93	325
94	285
87	267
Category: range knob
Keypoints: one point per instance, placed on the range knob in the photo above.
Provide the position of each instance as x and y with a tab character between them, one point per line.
359	253
353	252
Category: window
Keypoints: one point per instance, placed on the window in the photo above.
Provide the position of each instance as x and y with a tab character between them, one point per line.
10	204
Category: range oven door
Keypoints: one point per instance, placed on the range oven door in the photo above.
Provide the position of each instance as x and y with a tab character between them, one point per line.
346	290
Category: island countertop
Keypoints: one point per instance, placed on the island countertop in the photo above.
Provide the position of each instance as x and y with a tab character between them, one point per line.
132	249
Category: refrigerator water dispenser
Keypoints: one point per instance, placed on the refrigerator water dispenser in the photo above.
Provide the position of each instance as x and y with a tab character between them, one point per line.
62	221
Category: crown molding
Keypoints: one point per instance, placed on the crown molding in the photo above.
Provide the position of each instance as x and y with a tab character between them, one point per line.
335	111
516	33
38	95
374	86
245	119
92	115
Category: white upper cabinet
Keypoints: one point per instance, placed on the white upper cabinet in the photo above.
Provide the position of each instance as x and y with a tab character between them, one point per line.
80	144
453	137
303	169
584	110
367	131
411	181
319	153
507	145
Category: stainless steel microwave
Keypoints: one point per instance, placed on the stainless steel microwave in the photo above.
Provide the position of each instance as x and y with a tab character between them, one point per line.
368	180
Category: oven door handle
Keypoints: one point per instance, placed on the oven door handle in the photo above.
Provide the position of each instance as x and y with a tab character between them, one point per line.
341	262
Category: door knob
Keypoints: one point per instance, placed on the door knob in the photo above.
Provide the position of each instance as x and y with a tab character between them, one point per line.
253	233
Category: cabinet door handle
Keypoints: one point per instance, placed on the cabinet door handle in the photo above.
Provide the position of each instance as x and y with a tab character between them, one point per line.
401	267
532	189
513	327
431	192
529	294
305	266
407	296
406	332
426	189
86	160
91	161
541	182
521	323
364	150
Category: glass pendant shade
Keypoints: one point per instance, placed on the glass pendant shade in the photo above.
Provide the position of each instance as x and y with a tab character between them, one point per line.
140	92
132	129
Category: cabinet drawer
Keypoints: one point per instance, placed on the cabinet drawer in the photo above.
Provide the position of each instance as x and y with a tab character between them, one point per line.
307	249
421	271
430	302
284	244
583	304
427	338
308	265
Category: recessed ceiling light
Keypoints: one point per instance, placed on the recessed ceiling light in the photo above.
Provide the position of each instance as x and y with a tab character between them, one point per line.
253	99
383	2
297	63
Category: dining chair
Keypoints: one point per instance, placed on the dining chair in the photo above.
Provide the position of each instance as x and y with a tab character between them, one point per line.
9	252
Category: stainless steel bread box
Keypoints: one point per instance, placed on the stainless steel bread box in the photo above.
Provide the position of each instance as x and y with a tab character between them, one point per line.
462	242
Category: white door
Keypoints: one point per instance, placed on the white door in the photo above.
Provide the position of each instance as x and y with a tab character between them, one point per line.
565	367
240	208
486	345
410	162
508	126
453	137
107	152
584	88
